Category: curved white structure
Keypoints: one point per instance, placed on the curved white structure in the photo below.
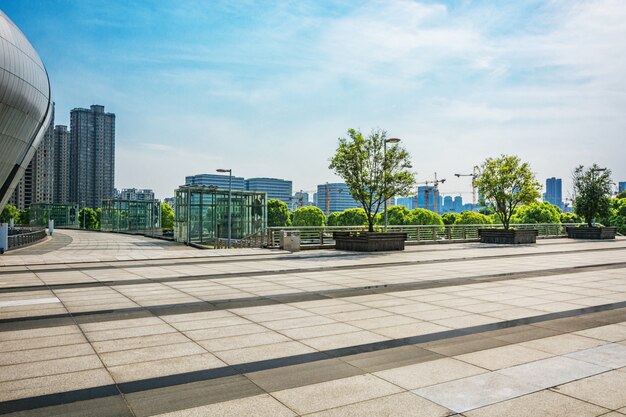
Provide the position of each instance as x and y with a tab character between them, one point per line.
25	105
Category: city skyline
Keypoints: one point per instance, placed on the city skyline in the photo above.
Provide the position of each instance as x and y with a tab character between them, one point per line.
266	90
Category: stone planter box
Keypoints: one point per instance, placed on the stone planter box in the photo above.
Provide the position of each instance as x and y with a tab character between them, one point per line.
591	232
508	237
369	241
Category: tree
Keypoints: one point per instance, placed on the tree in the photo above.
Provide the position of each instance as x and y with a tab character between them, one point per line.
422	216
371	174
333	218
618	214
88	219
450	218
9	212
353	217
621	195
592	188
308	216
24	217
471	217
507	182
537	213
570	218
396	215
167	217
277	213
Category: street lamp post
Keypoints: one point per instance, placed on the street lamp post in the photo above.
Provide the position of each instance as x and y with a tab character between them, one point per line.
230	191
390	140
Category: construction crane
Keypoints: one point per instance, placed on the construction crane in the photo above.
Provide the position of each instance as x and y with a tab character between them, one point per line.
473	175
435	184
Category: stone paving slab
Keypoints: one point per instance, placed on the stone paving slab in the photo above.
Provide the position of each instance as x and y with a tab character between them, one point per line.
142	329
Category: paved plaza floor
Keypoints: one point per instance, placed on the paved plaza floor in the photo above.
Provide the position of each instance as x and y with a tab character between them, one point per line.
96	324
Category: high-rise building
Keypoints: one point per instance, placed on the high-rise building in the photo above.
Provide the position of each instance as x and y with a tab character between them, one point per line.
92	155
408	202
61	165
135	194
37	183
275	188
426	198
553	194
300	199
622	186
458	204
215	180
332	197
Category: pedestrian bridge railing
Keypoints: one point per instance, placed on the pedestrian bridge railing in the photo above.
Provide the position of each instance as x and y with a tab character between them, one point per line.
323	235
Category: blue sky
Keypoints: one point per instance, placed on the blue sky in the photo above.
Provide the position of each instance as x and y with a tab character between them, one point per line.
266	88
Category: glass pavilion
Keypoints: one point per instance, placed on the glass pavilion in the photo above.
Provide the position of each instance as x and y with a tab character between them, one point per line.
131	216
201	214
64	215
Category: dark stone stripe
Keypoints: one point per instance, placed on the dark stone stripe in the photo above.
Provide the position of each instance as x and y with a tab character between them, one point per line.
274	272
263	365
50	320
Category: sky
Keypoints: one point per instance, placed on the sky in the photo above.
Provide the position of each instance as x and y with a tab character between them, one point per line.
267	87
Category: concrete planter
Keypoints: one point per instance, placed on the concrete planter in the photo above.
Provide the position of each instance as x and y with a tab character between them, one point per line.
591	232
369	241
508	237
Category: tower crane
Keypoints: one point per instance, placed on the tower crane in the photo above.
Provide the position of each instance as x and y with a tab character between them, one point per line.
473	175
435	184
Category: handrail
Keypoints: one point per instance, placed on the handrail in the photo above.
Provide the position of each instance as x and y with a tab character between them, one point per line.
322	235
27	238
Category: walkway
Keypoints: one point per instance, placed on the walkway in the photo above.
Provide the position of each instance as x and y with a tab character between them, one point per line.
460	329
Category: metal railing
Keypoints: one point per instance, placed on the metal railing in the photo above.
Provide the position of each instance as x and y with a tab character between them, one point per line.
25	236
323	235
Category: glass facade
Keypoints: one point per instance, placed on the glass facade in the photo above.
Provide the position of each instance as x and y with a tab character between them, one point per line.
64	215
275	188
131	216
334	197
25	105
216	180
201	214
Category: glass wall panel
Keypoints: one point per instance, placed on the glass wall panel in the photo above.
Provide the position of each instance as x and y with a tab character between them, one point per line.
201	214
132	216
64	215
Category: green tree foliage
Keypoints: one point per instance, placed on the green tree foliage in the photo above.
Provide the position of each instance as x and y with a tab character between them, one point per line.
333	218
396	215
570	218
370	174
353	217
450	218
167	217
621	195
9	212
88	219
308	216
277	213
24	217
617	217
471	217
423	216
537	212
593	192
487	210
507	182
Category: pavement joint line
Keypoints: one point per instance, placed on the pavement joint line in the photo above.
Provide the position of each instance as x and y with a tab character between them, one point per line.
147	384
136	281
30	322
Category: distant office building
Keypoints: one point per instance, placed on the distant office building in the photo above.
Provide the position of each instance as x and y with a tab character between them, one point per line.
448	204
408	202
428	199
216	180
37	183
275	188
134	194
92	155
458	204
466	207
553	194
622	186
169	200
332	197
61	165
300	199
